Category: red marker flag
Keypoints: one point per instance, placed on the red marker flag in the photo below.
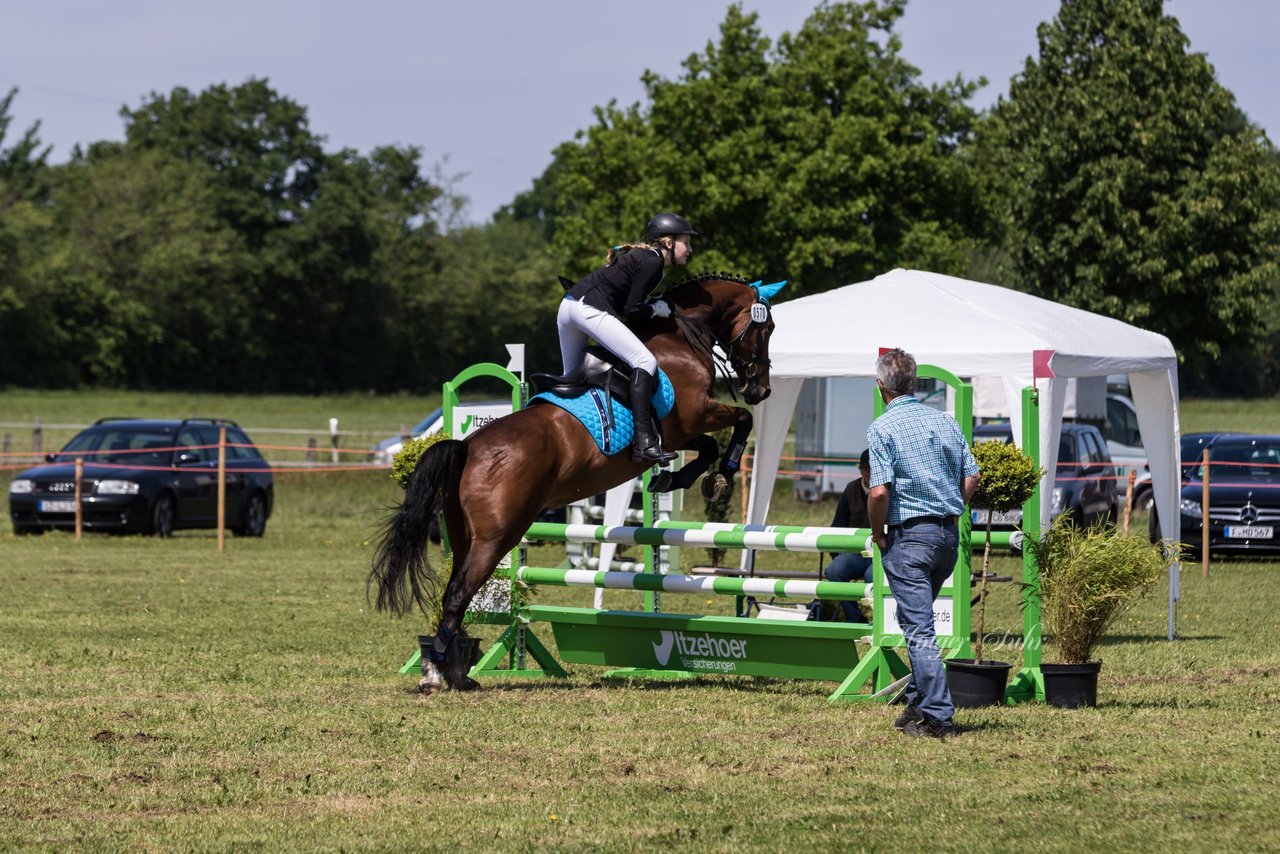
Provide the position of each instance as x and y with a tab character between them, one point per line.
1040	365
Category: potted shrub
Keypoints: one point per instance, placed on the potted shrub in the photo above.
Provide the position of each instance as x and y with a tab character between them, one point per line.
1009	478
1088	578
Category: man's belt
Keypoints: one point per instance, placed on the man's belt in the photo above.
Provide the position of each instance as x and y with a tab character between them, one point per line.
941	521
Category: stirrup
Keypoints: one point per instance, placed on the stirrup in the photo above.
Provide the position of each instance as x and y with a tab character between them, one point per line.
653	455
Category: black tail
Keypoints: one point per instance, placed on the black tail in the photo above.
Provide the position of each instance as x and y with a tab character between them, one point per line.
400	567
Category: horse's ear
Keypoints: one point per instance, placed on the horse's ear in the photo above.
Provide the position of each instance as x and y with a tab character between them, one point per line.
566	283
768	292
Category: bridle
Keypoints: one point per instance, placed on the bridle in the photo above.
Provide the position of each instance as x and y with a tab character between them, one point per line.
750	366
704	340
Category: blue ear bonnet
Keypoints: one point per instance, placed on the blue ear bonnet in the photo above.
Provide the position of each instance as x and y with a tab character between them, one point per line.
768	292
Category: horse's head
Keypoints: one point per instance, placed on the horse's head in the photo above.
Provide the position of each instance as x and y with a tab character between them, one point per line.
734	315
746	341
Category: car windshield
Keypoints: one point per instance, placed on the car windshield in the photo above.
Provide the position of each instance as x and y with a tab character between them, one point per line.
1239	461
1066	446
120	446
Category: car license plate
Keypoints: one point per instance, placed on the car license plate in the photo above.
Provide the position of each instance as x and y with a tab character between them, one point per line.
1251	532
1000	517
57	506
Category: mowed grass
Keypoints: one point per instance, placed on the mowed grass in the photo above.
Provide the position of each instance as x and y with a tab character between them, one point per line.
158	695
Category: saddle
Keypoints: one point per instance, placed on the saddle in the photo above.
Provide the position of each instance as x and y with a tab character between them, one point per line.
601	369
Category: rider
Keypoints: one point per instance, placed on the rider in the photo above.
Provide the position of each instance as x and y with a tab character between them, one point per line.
607	299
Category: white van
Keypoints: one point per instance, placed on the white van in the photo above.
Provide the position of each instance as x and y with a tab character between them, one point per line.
1124	441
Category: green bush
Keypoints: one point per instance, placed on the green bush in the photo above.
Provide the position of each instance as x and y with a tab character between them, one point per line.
1009	477
406	459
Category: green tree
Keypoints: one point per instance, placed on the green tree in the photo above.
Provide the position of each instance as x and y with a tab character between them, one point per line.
1134	185
490	286
23	165
332	239
146	282
258	143
25	235
823	159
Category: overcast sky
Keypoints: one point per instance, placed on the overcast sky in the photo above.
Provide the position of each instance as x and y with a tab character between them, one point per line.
495	86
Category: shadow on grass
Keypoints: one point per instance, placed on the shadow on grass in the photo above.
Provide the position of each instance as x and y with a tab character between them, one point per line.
657	684
1113	640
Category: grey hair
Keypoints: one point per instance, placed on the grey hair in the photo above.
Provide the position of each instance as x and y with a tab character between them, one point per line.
896	371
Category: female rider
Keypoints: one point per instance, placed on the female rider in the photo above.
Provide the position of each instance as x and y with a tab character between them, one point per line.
607	299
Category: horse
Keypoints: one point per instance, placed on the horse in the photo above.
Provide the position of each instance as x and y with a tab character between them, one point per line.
494	483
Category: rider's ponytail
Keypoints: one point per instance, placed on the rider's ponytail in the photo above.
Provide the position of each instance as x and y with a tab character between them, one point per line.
615	252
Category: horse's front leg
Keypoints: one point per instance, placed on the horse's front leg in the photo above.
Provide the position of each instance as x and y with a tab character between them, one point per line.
715	486
666	481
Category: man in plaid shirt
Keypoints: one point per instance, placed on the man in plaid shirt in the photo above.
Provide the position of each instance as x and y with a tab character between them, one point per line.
922	476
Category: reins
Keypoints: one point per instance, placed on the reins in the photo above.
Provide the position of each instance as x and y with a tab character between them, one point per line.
703	340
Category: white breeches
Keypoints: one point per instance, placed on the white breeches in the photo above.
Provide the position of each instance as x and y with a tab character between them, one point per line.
577	322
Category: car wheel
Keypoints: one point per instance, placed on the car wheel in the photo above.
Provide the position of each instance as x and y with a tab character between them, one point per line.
254	523
162	516
1143	499
26	530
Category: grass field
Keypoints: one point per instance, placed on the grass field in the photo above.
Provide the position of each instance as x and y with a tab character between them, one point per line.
159	696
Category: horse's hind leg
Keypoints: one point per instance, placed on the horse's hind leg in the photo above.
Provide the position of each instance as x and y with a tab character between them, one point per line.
469	575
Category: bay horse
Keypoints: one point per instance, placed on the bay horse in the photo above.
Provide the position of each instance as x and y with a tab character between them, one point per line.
494	483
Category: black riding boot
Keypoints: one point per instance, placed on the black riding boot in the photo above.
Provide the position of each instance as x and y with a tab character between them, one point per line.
647	447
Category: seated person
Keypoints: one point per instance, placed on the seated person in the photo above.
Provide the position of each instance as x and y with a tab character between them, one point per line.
851	512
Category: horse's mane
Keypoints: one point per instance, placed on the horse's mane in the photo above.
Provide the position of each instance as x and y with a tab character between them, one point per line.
708	277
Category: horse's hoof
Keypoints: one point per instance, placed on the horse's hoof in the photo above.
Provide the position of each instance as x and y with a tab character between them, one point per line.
714	486
467	684
660	482
432	681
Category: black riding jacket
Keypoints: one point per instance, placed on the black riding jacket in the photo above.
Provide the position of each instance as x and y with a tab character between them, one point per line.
623	288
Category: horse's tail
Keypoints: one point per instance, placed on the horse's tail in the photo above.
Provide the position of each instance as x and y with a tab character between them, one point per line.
401	569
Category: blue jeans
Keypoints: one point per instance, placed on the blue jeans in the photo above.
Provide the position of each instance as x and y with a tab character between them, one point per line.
850	567
916	564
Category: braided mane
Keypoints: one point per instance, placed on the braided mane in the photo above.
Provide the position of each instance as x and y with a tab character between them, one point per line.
707	277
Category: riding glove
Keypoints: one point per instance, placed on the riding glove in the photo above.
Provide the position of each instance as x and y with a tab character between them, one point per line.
661	308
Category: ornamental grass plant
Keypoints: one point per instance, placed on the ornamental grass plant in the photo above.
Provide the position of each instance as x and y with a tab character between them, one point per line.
1089	577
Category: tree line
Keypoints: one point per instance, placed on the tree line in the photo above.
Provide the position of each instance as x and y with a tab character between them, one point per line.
221	247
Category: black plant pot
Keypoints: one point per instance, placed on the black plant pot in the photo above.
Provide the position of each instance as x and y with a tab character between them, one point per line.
973	685
1071	685
469	647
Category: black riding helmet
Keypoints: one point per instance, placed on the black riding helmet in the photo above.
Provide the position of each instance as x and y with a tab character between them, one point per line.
667	225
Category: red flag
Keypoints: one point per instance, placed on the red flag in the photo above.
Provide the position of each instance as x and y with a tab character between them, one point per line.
1040	366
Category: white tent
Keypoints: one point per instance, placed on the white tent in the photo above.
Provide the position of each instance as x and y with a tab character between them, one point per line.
972	330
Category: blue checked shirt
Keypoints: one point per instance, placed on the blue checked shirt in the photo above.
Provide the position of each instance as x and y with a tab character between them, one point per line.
922	455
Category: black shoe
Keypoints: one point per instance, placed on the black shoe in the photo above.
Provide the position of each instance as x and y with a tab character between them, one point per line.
647	448
911	715
929	729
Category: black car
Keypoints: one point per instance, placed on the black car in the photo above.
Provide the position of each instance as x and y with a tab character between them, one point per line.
1244	495
1084	485
147	476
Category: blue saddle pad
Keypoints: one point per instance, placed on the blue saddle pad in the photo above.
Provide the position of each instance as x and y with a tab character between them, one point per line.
611	427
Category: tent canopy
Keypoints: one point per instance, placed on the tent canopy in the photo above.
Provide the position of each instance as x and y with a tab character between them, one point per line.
972	330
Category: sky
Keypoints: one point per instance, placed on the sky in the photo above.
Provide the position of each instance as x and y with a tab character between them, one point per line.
489	88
